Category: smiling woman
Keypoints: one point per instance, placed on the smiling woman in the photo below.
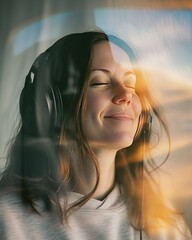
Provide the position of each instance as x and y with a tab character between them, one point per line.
75	169
113	107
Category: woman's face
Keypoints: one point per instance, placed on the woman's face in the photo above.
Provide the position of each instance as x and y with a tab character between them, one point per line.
113	107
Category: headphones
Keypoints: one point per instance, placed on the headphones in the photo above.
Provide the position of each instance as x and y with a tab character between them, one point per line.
41	104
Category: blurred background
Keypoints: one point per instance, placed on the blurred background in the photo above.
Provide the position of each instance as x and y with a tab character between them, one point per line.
159	31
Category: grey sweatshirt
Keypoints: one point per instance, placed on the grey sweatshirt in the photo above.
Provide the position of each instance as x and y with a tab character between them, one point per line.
103	220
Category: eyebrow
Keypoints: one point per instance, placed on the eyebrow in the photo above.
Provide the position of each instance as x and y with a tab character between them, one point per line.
100	69
108	71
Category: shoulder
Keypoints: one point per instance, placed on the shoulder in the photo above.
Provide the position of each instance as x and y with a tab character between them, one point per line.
9	201
18	221
183	228
11	208
10	213
179	231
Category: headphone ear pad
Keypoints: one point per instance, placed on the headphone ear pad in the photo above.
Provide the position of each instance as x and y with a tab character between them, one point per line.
34	111
55	104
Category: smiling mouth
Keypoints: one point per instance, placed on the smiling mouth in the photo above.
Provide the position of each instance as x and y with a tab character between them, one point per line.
120	117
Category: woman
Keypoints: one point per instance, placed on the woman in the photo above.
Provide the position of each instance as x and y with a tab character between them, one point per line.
75	169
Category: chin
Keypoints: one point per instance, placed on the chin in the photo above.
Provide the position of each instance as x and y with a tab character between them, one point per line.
125	146
122	144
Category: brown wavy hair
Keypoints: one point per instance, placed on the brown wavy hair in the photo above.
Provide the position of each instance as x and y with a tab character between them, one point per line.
46	166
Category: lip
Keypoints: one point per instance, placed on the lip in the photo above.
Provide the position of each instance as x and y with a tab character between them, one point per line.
120	117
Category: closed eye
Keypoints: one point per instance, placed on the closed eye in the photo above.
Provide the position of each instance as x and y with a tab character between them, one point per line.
130	81
99	84
131	87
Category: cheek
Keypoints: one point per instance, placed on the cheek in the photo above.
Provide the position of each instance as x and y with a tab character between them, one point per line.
92	103
137	107
95	103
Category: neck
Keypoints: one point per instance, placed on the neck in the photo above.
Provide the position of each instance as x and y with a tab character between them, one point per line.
106	160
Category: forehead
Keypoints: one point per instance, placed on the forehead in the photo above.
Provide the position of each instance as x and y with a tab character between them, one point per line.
106	54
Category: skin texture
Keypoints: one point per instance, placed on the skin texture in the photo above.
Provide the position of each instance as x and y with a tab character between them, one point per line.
113	109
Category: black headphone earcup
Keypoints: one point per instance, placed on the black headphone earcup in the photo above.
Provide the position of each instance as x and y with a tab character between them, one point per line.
41	109
55	106
41	105
34	112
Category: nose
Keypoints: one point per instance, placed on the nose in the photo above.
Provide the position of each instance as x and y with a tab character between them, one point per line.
122	95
